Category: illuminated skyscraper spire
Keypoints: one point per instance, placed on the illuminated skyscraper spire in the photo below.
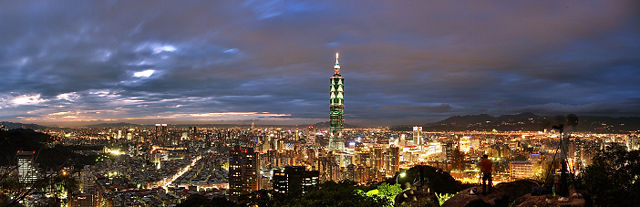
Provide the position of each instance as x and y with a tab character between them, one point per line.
336	67
336	105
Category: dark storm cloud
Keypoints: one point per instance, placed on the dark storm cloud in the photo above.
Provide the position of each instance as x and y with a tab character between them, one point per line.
404	62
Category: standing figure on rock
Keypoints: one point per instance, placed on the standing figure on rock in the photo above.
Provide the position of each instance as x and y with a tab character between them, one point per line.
485	167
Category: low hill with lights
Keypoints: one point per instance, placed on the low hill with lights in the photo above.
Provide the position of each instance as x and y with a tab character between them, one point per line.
528	122
15	125
321	125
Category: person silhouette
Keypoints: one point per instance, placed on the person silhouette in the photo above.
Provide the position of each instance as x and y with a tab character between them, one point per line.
485	168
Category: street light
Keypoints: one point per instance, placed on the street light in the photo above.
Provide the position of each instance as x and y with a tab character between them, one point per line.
401	175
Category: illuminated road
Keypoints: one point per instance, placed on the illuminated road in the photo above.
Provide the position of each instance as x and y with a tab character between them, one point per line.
182	171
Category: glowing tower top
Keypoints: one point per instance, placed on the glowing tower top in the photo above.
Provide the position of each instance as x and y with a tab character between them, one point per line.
336	68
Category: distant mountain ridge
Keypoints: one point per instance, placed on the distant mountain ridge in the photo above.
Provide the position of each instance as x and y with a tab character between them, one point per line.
15	125
529	122
325	124
113	125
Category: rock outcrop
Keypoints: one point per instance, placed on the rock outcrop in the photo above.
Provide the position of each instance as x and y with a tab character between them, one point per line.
503	194
575	200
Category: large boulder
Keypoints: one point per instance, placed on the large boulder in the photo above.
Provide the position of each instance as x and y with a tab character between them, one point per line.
436	179
503	194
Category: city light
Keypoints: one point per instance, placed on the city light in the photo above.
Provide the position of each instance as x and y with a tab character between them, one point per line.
115	152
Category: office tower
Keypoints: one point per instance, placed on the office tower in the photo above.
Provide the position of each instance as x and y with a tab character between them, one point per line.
26	170
294	180
243	171
336	105
417	135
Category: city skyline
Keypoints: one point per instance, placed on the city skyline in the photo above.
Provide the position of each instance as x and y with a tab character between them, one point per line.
243	103
268	61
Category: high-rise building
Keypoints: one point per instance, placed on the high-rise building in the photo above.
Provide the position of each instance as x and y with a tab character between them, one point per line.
402	141
26	169
378	159
329	168
243	171
294	180
363	174
464	144
87	181
417	135
350	174
632	143
311	136
448	149
394	160
161	133
336	105
82	200
521	169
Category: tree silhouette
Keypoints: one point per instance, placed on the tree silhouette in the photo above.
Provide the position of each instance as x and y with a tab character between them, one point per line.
614	177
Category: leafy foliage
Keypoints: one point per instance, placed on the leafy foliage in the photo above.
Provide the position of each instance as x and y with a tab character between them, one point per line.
336	194
325	194
389	191
442	197
384	192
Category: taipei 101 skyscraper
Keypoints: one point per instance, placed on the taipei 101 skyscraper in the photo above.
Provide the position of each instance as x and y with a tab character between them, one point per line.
336	105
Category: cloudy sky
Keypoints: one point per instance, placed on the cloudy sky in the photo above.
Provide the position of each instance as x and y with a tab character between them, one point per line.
74	62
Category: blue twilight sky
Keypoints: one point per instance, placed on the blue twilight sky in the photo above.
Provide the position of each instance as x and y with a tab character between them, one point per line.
77	62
